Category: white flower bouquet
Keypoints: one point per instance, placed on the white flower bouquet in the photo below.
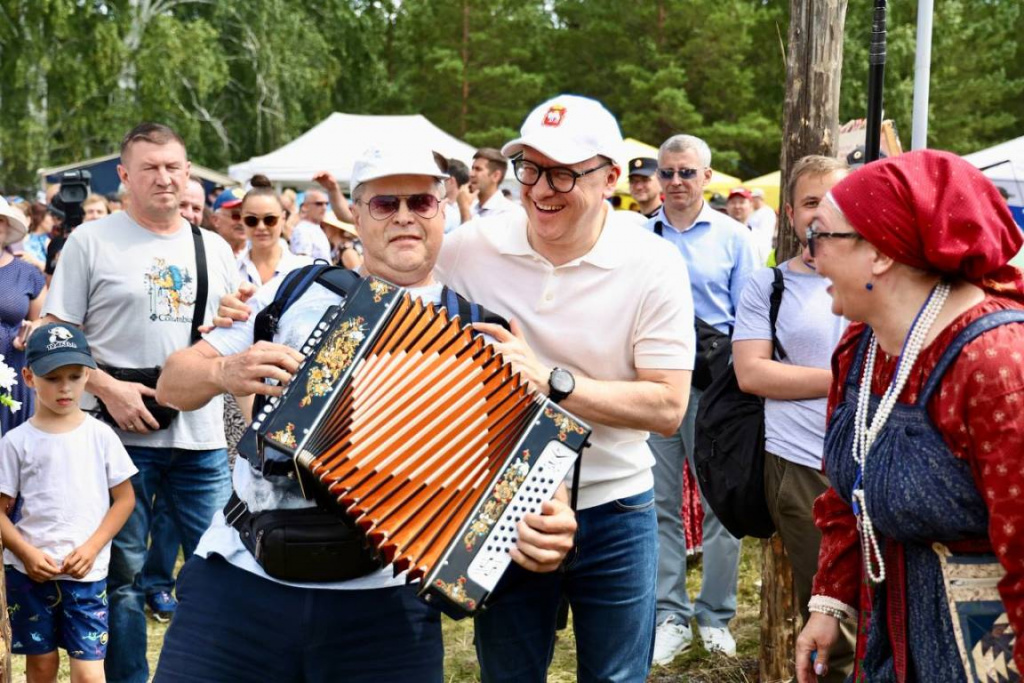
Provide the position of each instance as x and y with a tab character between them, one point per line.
8	378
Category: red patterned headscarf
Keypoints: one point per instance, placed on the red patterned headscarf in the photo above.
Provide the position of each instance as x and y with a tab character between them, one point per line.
934	211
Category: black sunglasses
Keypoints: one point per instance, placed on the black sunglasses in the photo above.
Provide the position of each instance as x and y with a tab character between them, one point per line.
384	206
813	235
269	220
683	173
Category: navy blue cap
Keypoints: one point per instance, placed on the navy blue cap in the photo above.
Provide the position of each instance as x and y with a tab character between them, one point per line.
56	345
229	198
645	166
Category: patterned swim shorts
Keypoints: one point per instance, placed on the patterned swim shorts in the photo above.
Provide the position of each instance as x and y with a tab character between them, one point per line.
61	613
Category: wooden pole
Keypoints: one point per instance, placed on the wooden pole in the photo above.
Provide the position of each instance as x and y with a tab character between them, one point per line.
814	65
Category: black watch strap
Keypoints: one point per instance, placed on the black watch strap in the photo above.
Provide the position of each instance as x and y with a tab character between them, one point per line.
556	394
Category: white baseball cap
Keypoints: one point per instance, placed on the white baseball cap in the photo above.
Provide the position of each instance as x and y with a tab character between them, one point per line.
411	159
570	129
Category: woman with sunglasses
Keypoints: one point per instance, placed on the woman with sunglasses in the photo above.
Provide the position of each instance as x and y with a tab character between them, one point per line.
263	216
925	442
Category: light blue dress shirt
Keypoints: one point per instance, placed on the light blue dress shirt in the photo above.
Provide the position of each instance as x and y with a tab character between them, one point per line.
719	253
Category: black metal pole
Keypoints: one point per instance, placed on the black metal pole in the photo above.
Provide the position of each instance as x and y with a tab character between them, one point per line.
876	83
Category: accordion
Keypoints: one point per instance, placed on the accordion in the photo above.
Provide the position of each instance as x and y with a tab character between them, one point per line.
423	435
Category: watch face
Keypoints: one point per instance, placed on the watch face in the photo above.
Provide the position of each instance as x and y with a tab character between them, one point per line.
561	381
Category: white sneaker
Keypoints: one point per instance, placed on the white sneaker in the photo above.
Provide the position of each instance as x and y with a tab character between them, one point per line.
670	640
717	640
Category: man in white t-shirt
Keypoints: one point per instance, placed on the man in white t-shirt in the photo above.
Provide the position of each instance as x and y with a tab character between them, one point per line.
762	223
131	281
308	238
240	623
603	323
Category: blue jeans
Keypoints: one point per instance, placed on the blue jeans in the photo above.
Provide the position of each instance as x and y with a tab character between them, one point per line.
195	485
716	605
158	572
232	625
609	580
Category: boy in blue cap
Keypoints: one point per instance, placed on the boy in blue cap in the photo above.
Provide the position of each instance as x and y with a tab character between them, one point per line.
73	474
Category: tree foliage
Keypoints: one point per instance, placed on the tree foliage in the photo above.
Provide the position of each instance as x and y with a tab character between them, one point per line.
240	79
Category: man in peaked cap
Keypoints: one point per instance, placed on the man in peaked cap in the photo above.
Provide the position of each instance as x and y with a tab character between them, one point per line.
643	184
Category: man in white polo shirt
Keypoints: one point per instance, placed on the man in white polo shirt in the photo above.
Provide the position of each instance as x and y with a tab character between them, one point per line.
603	322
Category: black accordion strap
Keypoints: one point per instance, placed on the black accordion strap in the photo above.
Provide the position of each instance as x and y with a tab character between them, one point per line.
340	281
469	310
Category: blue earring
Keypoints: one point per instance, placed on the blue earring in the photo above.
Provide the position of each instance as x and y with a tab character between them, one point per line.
869	286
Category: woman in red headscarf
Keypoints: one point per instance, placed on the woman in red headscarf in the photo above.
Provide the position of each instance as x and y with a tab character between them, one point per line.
925	444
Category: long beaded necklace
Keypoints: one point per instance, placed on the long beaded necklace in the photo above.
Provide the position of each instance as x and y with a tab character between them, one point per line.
864	434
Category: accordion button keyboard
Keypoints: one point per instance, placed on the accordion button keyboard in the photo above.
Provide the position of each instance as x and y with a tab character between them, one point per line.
540	485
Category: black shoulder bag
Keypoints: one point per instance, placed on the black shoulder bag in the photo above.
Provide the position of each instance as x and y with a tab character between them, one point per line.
728	450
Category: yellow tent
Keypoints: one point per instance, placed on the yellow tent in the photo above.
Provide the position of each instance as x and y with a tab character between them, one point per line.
769	184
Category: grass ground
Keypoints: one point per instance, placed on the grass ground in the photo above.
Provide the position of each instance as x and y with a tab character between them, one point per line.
695	666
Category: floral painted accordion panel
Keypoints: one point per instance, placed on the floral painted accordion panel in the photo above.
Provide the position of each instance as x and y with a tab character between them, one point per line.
424	436
983	633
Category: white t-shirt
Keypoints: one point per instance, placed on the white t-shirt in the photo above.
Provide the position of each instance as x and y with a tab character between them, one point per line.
133	294
248	272
762	227
309	239
277	493
65	480
624	305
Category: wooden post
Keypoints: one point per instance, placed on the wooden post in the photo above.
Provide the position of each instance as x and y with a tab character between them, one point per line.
780	618
814	65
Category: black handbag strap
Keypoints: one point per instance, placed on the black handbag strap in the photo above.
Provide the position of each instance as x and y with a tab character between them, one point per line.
778	287
202	284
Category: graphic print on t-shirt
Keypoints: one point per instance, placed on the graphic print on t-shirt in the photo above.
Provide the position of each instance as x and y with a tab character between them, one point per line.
172	293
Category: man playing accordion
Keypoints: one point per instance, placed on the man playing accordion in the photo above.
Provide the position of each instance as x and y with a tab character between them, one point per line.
237	622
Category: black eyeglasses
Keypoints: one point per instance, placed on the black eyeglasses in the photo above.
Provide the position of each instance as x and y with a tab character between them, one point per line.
813	234
317	203
683	173
384	206
269	220
560	178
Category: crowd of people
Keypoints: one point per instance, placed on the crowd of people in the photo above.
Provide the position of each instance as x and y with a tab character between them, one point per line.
891	435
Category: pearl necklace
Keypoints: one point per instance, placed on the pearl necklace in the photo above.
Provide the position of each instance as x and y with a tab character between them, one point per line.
865	435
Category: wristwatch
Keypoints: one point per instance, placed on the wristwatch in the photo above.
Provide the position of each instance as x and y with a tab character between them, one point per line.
561	383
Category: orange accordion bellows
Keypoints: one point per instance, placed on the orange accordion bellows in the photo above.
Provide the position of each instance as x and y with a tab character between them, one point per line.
424	436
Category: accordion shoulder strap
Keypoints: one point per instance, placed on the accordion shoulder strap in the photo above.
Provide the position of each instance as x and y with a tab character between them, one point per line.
339	280
469	310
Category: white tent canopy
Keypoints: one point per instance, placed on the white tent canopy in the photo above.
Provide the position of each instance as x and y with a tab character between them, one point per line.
336	142
1004	165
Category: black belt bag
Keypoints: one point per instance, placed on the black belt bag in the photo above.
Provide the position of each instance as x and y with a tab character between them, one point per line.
146	377
304	545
